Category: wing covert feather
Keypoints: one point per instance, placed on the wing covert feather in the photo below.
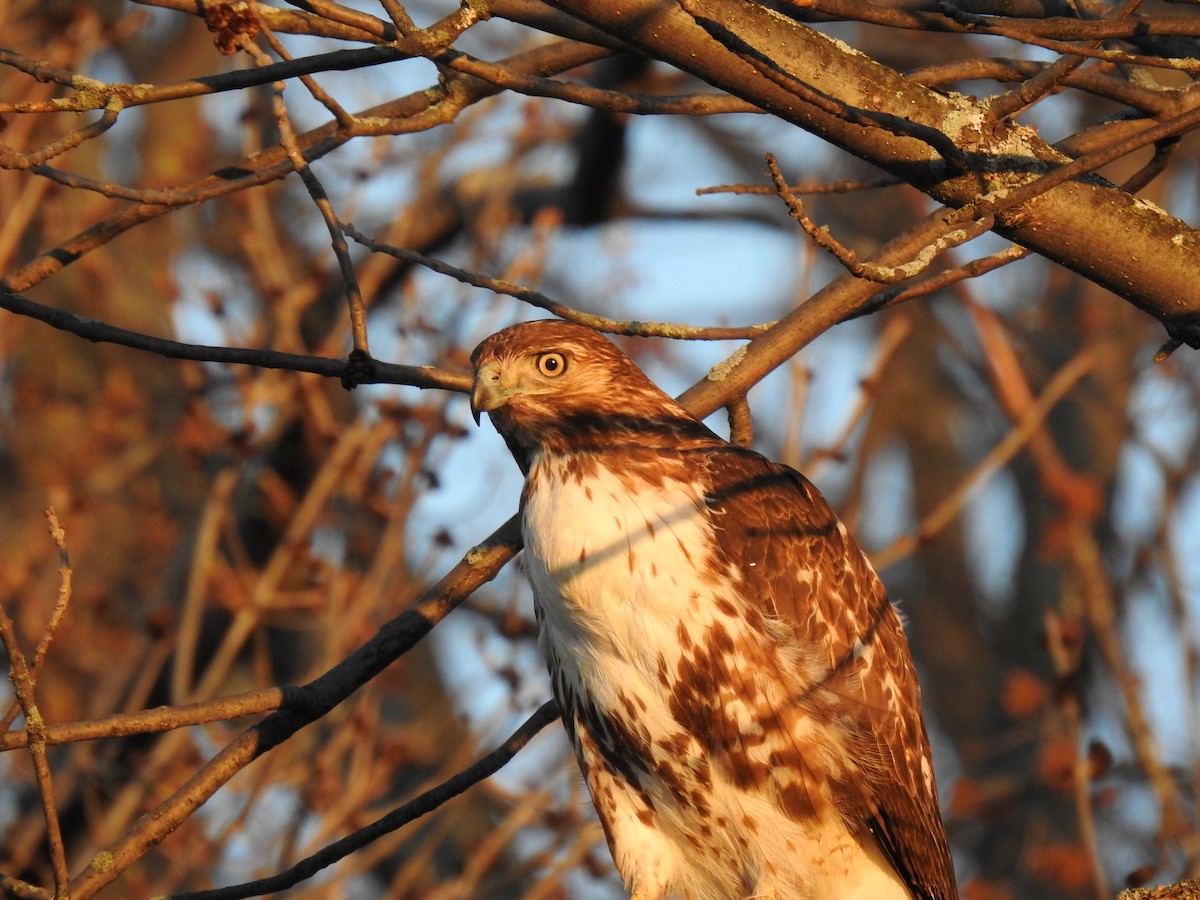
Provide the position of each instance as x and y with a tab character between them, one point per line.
801	565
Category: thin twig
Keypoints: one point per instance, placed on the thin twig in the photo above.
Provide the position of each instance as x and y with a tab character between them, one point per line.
318	93
94	330
701	104
93	95
1027	93
12	159
484	767
352	18
399	16
23	889
35	726
1022	431
831	187
1091	81
895	332
822	237
59	536
1055	35
306	704
418	111
325	20
973	269
1066	658
631	327
320	198
1164	152
205	541
152	721
60	608
838	301
1087	560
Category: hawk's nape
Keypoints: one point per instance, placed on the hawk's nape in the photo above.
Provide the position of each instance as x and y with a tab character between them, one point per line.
734	680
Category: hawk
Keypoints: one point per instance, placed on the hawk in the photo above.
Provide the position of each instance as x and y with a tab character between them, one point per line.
734	681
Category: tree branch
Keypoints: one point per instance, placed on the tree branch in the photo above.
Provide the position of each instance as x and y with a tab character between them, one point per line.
484	767
1074	223
93	330
305	705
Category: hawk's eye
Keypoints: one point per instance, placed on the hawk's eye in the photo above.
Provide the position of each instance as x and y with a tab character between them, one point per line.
552	364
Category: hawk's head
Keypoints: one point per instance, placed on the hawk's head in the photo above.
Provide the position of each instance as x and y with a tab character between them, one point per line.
552	384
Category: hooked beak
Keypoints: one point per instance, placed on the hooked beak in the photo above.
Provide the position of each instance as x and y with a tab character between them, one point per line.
488	392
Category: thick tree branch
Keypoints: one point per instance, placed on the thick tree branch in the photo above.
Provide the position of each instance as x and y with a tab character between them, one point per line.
1157	263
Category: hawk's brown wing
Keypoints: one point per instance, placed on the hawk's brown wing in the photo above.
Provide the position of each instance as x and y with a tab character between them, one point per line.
800	565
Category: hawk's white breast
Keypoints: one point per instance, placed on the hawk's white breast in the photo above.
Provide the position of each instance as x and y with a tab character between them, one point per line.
620	558
625	573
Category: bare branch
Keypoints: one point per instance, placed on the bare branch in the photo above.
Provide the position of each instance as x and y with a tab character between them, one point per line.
833	187
1023	431
306	704
326	19
843	254
60	609
23	686
674	330
98	95
1044	82
485	767
320	198
793	64
152	721
93	330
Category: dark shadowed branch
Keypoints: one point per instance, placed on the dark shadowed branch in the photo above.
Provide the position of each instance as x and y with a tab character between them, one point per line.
484	767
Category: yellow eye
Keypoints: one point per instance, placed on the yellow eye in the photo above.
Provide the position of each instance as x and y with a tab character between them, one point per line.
552	364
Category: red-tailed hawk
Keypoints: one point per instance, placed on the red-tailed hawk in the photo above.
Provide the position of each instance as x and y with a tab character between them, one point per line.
734	680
